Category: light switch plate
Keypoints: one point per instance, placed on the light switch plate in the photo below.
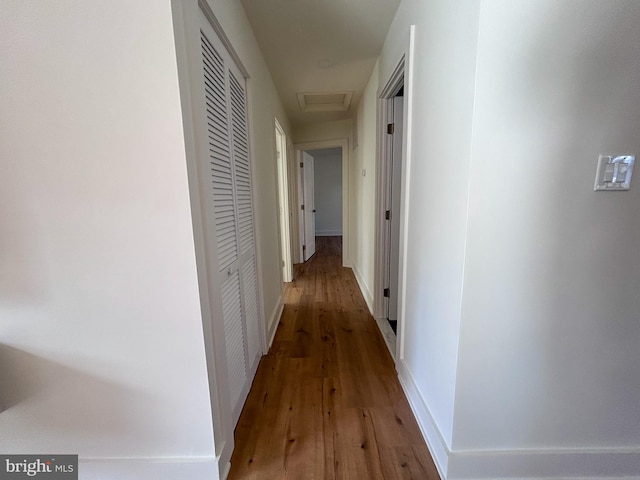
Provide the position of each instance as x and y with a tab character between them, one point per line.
614	172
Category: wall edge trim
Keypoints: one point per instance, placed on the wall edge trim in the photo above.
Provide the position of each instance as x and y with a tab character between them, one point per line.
440	451
161	468
368	297
273	323
537	464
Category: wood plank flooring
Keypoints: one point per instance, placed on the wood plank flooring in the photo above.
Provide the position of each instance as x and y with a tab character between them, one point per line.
326	403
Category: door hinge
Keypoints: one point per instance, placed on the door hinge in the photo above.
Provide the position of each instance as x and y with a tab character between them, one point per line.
304	247
390	128
387	292
301	207
283	263
387	215
301	164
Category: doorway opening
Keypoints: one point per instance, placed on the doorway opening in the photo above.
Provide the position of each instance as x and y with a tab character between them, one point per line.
323	200
322	193
306	189
392	212
284	212
389	206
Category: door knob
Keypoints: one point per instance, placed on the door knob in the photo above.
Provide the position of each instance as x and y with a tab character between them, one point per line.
314	210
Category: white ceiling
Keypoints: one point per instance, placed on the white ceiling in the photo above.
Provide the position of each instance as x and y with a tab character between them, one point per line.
320	46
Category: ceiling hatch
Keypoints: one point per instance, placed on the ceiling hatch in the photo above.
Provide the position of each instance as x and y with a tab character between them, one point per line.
325	102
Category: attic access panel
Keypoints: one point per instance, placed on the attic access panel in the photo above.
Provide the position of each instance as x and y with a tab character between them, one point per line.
324	101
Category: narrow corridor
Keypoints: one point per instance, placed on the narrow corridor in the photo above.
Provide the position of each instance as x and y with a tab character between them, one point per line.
326	402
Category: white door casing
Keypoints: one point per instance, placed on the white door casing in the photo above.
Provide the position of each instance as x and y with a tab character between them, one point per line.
399	79
283	202
343	144
308	207
394	207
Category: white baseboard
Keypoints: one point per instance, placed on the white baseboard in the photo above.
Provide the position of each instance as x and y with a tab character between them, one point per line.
432	435
274	321
574	464
160	468
368	297
580	464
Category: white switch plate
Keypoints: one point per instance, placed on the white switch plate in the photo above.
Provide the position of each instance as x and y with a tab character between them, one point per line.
614	172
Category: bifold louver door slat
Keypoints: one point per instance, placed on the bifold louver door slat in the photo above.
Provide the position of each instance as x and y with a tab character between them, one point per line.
242	170
219	154
231	207
234	336
250	289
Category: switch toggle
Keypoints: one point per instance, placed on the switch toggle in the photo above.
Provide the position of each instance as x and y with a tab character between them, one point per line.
614	172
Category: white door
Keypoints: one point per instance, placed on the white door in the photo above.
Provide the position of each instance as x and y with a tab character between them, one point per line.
308	207
394	223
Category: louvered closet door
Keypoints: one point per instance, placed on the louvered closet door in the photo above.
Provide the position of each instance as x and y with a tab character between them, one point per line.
230	203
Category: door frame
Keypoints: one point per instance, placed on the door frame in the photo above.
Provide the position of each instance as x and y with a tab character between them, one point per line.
306	187
393	160
400	77
343	143
284	204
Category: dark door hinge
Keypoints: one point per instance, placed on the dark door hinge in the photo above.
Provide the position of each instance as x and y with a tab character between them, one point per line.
304	247
301	207
390	128
301	165
387	292
387	215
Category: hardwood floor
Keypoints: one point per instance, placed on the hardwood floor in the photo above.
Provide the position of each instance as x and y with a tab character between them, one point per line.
326	402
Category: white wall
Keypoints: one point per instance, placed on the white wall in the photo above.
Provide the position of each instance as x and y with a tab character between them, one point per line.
521	327
362	189
101	350
321	131
328	190
550	333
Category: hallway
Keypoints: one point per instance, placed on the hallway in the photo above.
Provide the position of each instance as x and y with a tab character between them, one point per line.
326	402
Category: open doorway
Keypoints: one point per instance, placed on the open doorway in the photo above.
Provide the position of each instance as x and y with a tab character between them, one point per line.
284	213
306	189
323	196
322	192
328	191
389	207
392	211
